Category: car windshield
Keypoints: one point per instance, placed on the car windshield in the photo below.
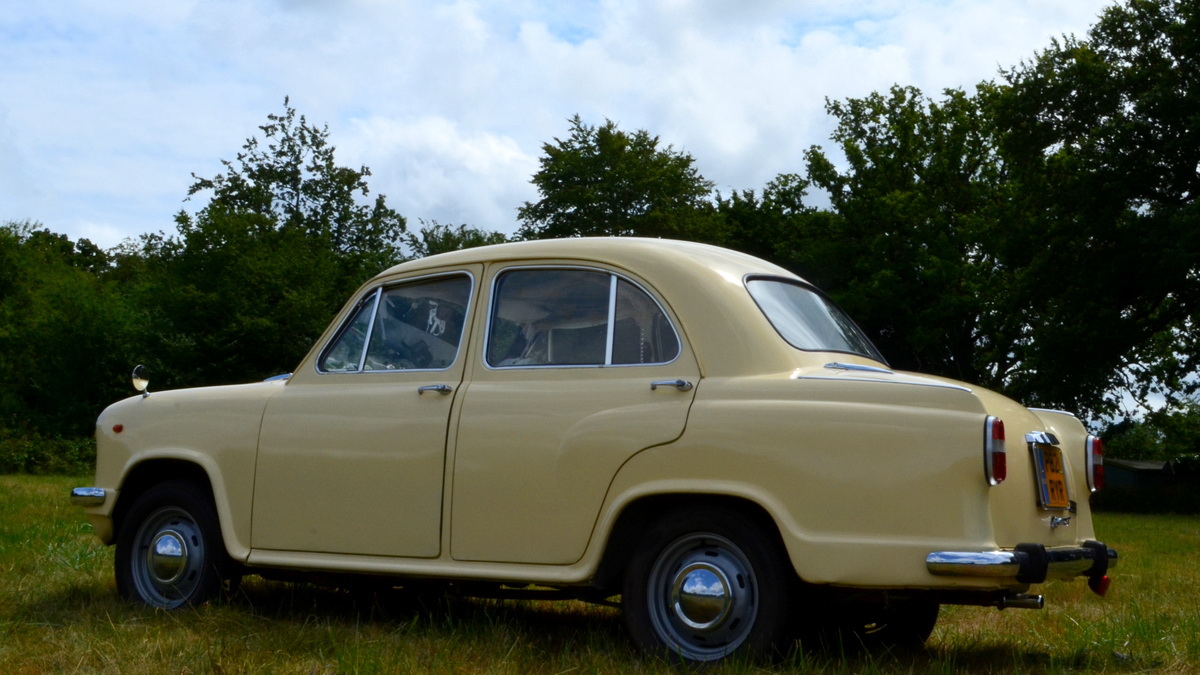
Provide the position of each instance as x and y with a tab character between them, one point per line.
809	320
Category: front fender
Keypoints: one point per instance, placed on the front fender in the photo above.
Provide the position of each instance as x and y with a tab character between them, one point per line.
215	429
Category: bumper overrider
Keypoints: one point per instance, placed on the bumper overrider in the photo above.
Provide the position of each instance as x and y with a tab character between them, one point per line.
1030	564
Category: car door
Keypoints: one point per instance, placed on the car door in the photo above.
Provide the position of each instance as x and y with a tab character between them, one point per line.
352	453
582	368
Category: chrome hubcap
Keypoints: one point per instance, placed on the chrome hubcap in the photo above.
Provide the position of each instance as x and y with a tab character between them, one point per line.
701	596
167	558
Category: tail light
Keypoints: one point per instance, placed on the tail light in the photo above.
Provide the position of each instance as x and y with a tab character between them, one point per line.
1095	463
995	461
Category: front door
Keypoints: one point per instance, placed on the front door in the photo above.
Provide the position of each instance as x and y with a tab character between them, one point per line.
352	453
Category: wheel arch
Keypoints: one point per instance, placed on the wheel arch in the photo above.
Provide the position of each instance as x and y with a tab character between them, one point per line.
636	516
152	471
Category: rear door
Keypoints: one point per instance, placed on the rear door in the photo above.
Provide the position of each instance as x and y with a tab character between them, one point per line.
582	368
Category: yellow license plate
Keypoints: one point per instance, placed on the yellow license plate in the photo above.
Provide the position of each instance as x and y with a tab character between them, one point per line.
1052	477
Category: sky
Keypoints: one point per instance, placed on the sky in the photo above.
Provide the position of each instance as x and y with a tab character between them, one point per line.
107	109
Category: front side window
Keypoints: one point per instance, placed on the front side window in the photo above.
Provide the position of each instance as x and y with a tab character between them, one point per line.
412	326
809	320
576	317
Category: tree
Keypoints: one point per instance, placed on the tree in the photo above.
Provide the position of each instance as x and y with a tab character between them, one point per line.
66	333
295	185
1161	435
766	225
601	181
1103	134
253	278
910	248
438	238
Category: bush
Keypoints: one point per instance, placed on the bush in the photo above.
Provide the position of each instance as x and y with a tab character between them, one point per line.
36	454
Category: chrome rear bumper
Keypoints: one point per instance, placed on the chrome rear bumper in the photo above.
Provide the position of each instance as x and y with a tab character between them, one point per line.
1027	563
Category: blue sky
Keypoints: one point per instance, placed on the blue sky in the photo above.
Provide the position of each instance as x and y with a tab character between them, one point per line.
108	108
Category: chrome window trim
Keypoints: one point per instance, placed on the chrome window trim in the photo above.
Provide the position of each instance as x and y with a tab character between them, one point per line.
614	277
611	332
378	291
362	356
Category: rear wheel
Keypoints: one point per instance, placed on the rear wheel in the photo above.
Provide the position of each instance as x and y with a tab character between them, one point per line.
169	548
706	584
896	624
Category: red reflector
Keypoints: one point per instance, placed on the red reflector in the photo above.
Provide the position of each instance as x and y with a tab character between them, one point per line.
118	428
1099	586
999	466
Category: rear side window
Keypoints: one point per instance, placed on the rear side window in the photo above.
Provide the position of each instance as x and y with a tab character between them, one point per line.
807	319
412	326
576	317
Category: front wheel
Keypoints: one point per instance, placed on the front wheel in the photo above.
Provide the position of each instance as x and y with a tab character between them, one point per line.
169	548
706	584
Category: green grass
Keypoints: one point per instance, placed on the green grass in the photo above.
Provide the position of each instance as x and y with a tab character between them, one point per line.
59	612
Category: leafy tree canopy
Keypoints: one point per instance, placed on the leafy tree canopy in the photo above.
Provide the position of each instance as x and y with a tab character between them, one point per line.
1161	435
254	276
437	238
65	330
1103	134
602	181
907	249
294	184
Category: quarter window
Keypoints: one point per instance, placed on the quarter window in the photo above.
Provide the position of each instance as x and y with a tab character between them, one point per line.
576	317
807	319
413	326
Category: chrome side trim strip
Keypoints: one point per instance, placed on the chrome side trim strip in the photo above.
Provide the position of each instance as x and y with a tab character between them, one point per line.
838	365
1052	410
830	378
88	496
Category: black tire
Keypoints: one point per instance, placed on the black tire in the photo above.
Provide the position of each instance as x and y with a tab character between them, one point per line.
704	585
904	624
169	548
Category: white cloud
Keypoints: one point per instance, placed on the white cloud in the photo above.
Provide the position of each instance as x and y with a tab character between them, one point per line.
108	108
445	173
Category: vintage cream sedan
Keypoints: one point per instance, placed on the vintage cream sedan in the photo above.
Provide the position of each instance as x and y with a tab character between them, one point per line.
696	430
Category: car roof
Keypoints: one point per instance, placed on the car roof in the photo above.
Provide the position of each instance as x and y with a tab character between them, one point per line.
636	253
704	286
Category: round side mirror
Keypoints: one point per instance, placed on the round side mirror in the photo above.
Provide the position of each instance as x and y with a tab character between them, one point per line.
141	379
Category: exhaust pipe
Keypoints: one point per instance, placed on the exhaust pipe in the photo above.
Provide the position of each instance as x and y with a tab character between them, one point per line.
1021	601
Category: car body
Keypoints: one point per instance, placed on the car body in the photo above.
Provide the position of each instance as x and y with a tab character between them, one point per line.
697	430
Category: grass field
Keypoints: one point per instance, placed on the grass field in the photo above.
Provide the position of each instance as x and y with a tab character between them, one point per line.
59	612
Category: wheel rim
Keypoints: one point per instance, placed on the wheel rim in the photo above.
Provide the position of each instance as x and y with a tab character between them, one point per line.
703	596
168	557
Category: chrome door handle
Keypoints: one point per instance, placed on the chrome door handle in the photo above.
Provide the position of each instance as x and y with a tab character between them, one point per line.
681	385
442	389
